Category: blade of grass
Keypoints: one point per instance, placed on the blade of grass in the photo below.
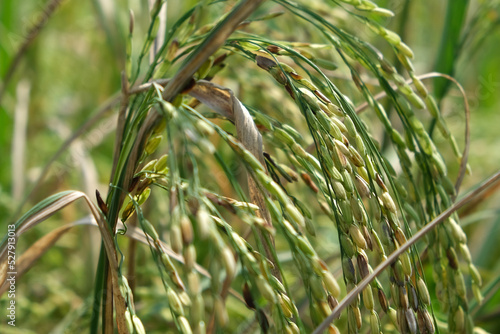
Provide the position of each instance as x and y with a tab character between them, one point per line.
450	41
131	256
39	248
449	47
488	253
160	36
120	126
19	140
49	207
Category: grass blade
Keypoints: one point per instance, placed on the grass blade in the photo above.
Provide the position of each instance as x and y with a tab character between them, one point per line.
38	249
450	41
52	205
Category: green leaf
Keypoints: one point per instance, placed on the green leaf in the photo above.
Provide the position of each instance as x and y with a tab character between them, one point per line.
450	42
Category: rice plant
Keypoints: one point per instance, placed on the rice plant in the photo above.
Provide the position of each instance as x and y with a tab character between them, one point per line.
271	171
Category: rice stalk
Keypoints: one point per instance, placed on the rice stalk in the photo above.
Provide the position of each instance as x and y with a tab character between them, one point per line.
237	179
